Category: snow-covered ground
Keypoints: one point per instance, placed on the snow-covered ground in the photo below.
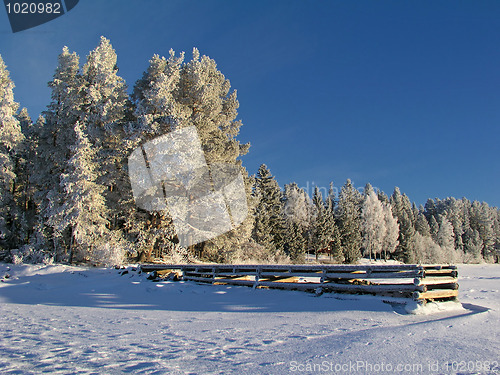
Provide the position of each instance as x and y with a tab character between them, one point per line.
61	319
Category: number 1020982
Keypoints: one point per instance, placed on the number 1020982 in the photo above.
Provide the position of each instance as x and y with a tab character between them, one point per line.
34	8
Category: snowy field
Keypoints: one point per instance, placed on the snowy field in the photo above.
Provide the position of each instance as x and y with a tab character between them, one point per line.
61	319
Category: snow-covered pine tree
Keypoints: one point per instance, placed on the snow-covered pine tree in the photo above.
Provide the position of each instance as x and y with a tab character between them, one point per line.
496	231
269	224
372	224
104	112
294	244
158	112
297	215
422	226
10	140
173	94
446	239
473	247
348	219
390	242
323	223
336	252
24	189
84	210
382	196
402	209
297	206
433	228
368	189
482	220
54	134
155	96
212	107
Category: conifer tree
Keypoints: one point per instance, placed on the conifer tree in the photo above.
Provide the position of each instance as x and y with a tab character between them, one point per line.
482	220
268	229
294	244
24	189
402	209
390	241
10	139
84	210
54	135
297	215
348	218
422	226
173	94
323	224
104	112
433	228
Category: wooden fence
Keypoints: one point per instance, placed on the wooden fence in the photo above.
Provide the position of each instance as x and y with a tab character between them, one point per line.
417	282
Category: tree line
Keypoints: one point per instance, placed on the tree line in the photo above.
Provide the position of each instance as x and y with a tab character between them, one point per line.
353	224
65	195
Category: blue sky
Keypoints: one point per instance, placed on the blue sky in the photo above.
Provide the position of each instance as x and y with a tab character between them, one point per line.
395	93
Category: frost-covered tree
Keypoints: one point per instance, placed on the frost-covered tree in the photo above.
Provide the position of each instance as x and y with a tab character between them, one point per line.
104	113
348	219
482	220
294	244
174	94
210	105
445	236
379	228
433	228
426	250
402	210
24	189
390	242
372	224
84	210
54	135
422	226
473	246
297	208
268	230
323	231
10	139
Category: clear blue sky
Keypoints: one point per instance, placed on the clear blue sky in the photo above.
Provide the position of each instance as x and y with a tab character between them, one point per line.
395	93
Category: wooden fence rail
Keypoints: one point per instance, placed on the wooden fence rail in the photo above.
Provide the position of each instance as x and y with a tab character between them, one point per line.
417	282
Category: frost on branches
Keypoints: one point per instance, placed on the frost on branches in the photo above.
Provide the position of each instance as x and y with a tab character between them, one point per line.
65	192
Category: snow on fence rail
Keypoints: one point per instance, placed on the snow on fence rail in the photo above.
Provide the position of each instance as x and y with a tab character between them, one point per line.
418	282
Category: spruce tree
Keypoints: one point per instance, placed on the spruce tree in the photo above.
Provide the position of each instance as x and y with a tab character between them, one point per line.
10	140
348	219
294	244
390	241
104	113
402	209
433	228
422	226
24	189
269	221
54	135
84	210
323	223
297	215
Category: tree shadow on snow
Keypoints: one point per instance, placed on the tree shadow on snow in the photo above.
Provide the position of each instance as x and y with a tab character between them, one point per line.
107	288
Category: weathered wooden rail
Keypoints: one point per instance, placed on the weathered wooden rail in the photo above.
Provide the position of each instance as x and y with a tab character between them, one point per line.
417	282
